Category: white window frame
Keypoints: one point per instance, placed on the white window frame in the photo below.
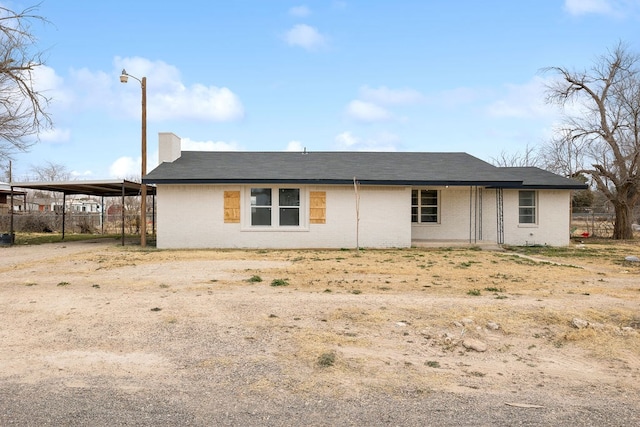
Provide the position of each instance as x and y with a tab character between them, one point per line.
419	206
245	209
534	207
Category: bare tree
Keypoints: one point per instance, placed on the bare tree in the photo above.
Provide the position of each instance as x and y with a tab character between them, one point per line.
22	106
605	130
563	154
50	172
530	157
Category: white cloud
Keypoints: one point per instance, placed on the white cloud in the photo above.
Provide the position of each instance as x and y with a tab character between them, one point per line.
169	98
48	82
294	146
618	8
305	36
125	168
523	101
367	112
189	145
385	96
300	11
370	107
55	135
197	102
346	141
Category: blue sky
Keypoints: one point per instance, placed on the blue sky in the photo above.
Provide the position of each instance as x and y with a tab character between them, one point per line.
270	75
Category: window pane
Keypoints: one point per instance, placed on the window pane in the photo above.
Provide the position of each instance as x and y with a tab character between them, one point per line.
289	197
260	216
414	197
260	197
527	198
289	216
527	216
414	214
429	197
429	214
527	208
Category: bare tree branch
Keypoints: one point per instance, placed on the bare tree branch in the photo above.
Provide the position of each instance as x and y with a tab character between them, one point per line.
23	112
529	157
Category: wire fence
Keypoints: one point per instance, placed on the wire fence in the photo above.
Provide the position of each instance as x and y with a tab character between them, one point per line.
74	222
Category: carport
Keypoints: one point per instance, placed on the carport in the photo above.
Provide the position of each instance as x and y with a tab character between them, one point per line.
106	188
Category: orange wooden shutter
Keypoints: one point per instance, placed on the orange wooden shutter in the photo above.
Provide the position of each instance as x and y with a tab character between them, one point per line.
231	206
317	207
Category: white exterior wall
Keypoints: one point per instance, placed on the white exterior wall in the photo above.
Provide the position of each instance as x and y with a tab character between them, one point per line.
553	219
462	217
192	216
465	214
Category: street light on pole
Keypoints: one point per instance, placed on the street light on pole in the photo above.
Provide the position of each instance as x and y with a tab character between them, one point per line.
124	77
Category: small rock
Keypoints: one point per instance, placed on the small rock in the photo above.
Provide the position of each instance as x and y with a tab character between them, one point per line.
457	324
473	344
493	326
467	321
579	323
632	258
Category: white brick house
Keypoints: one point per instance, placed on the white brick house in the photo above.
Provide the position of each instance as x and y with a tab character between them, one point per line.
309	200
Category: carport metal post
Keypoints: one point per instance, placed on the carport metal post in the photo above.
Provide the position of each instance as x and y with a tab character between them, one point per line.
11	195
11	216
122	206
64	202
102	215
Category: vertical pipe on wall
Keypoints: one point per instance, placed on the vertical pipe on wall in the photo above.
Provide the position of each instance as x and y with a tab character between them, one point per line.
470	212
499	216
355	186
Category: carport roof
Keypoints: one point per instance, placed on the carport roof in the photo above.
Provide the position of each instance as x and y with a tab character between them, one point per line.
104	188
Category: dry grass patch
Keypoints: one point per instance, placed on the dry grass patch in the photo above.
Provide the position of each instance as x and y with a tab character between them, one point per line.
348	323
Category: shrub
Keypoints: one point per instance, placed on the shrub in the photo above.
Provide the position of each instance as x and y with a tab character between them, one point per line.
327	359
279	282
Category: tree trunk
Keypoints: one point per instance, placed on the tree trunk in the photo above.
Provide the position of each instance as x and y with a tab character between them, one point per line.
622	229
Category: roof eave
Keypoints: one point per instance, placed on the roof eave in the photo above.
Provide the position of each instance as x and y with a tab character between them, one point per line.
484	183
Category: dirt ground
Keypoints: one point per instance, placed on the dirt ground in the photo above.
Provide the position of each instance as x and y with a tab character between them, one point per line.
95	333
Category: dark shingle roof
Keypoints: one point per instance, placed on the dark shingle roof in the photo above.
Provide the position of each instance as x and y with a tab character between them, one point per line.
533	177
374	168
